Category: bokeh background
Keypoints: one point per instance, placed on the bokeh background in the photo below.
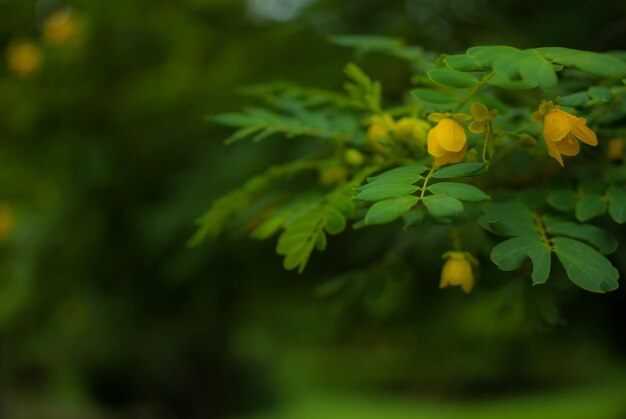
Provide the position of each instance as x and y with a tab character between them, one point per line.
106	160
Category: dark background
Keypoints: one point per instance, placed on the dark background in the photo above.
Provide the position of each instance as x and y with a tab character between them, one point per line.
106	160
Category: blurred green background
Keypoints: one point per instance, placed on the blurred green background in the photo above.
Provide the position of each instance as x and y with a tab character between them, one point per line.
106	160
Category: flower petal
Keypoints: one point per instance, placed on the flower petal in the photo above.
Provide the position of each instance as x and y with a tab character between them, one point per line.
553	151
583	132
451	157
568	146
451	135
434	149
557	124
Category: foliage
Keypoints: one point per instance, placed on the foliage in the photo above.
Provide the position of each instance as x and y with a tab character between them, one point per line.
481	104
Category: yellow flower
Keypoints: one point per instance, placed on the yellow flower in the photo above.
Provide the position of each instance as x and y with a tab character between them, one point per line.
447	142
60	26
561	130
411	130
457	270
615	149
24	58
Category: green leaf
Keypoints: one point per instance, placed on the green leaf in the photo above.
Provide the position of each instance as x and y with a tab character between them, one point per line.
386	211
321	242
575	99
383	190
462	62
452	78
344	205
433	100
590	206
461	191
268	227
413	217
562	200
539	71
541	258
335	221
599	65
508	219
593	235
486	55
511	254
440	206
584	266
392	183
460	170
501	81
603	94
404	174
617	204
375	43
507	65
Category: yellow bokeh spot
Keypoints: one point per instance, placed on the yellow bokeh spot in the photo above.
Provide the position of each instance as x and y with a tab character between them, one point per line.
411	130
60	27
7	221
615	149
24	58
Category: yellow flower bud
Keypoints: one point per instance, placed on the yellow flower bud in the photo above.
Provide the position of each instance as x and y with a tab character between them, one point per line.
60	26
561	130
24	58
615	149
411	130
457	271
354	157
447	142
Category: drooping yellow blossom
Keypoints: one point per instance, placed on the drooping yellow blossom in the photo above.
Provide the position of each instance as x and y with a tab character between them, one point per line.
411	130
561	130
23	58
60	27
447	141
615	149
7	221
354	157
457	270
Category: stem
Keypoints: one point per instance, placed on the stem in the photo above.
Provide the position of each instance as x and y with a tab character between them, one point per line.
542	231
485	143
474	90
426	179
